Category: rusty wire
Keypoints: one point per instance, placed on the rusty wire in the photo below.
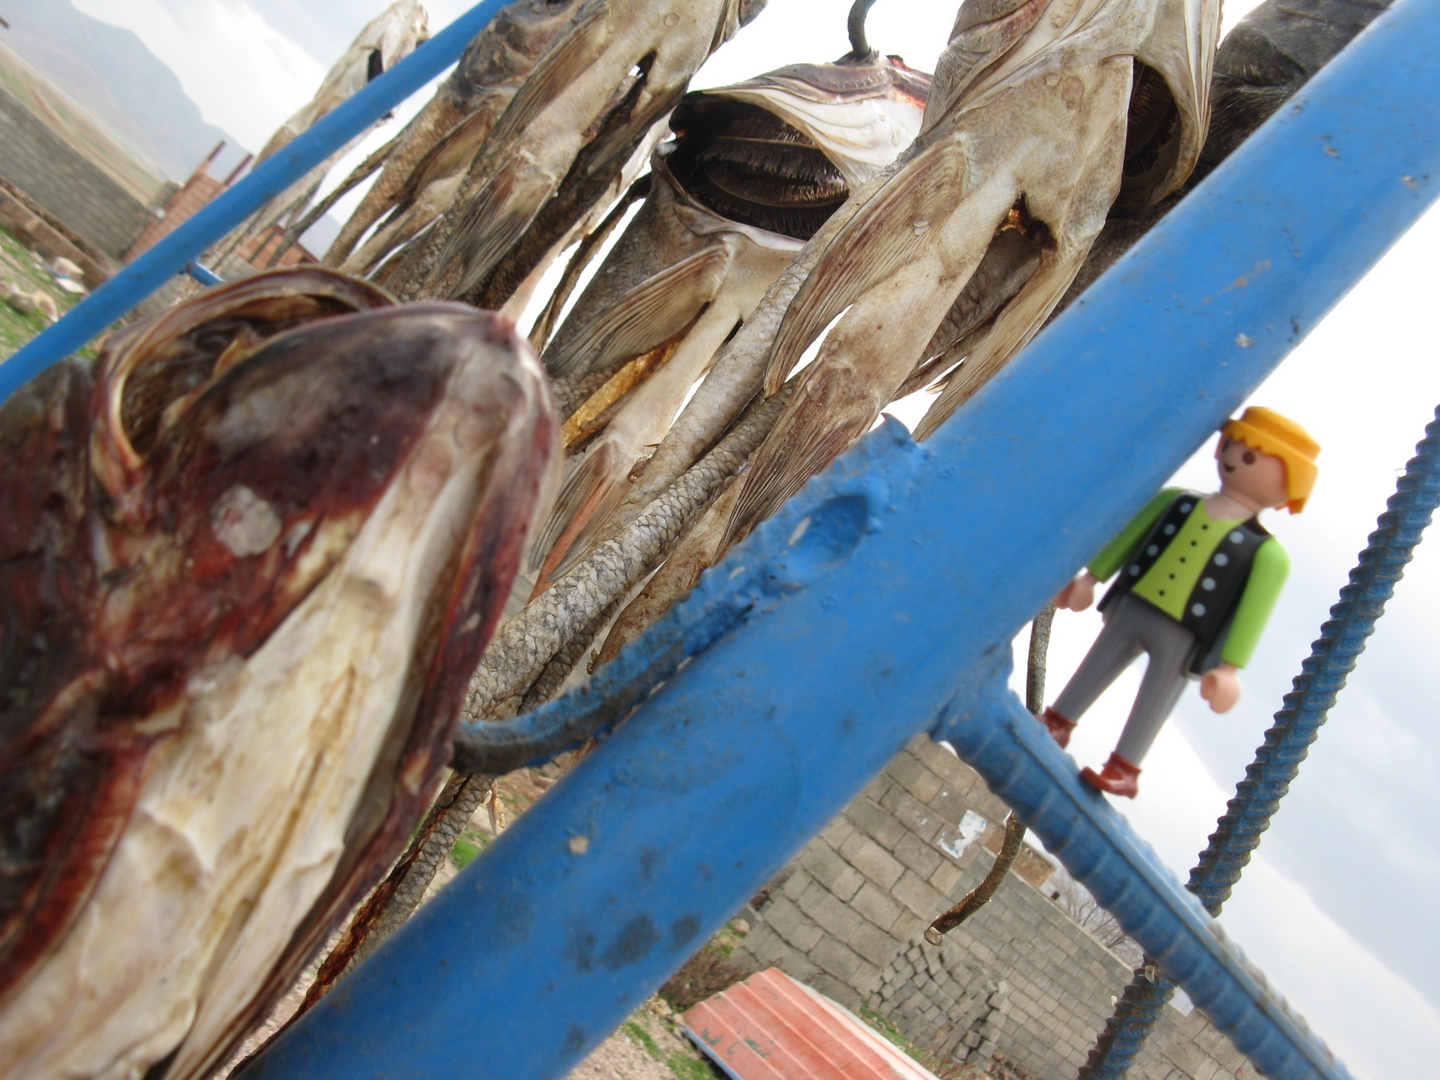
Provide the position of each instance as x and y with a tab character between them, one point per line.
979	896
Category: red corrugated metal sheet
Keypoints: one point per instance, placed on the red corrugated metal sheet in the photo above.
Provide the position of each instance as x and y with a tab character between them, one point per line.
771	1027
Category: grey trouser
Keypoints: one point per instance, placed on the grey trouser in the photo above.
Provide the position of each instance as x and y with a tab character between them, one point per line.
1133	626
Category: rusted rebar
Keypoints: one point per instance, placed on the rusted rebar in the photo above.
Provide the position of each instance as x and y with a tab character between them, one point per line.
979	896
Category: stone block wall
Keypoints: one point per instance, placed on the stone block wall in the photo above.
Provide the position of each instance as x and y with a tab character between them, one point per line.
872	881
1046	985
65	184
1020	978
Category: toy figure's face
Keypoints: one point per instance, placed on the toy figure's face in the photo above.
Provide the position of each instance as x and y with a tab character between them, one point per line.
1256	477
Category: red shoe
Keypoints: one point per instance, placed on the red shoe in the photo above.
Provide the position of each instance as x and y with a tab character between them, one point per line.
1118	777
1060	728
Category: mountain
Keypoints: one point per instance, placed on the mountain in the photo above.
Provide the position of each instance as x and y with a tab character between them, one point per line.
111	73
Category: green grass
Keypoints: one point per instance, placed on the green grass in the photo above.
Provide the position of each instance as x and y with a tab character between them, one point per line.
640	1035
883	1025
946	1070
470	844
683	1066
463	852
688	1068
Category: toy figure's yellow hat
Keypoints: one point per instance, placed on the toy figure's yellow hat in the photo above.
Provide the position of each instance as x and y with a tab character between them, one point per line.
1267	431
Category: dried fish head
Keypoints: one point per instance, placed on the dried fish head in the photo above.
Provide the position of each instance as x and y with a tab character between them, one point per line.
860	113
247	572
386	40
1263	60
761	163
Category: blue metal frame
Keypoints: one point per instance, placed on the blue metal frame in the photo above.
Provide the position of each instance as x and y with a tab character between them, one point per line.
204	275
882	602
175	252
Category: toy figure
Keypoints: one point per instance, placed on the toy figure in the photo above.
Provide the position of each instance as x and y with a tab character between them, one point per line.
1199	577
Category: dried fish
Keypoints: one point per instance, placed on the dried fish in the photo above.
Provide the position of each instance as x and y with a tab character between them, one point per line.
424	169
1272	52
560	148
756	169
1042	116
386	40
246	561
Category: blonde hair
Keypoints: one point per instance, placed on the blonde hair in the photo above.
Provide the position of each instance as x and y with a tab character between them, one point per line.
1271	433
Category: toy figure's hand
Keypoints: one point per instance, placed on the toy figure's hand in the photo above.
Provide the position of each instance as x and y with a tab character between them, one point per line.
1079	594
1220	686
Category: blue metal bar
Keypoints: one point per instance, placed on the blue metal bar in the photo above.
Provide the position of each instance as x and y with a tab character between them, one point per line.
272	176
1277	762
891	591
204	275
999	738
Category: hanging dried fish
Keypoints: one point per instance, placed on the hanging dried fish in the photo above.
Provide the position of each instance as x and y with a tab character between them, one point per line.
1043	114
559	150
755	170
386	40
246	561
1272	52
737	373
424	169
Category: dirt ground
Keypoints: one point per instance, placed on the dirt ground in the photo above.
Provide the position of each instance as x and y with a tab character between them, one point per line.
648	1046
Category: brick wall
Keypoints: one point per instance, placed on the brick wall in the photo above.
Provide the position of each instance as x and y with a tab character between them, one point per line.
178	206
27	223
65	184
252	254
1019	978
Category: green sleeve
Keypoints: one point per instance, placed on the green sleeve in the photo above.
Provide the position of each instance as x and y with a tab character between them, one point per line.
1262	589
1119	549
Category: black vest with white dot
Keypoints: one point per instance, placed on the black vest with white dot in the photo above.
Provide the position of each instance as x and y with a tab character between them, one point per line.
1211	605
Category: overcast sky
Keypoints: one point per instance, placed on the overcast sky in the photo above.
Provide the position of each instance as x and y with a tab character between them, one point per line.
1338	906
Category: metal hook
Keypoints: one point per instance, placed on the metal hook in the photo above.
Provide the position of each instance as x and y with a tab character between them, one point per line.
860	49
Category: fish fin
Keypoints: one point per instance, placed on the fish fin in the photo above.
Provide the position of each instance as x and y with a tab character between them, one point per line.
598	517
589	495
574	50
934	368
815	428
1008	263
876	242
1012	330
651	313
493	222
389	186
545	536
514	193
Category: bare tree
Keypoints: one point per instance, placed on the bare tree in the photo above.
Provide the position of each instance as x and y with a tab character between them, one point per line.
1075	900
